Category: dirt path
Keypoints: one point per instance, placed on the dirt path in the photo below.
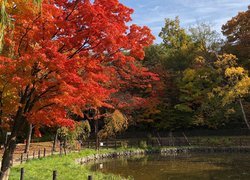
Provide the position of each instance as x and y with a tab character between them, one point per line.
34	148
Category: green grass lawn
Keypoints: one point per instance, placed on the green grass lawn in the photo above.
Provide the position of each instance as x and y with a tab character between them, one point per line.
67	168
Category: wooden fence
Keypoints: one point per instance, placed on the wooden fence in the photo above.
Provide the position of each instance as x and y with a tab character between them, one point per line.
170	141
143	143
54	175
129	143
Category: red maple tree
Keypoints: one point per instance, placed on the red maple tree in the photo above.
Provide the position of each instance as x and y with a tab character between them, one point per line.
61	58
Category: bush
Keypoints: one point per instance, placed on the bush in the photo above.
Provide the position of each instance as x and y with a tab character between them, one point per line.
124	144
80	133
143	144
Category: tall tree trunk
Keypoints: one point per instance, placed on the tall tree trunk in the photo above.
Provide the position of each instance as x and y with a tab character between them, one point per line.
55	141
8	157
10	146
28	138
19	122
2	136
65	146
244	114
1	113
186	138
96	135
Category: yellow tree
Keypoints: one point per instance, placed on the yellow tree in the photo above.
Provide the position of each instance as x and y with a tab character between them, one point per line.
235	81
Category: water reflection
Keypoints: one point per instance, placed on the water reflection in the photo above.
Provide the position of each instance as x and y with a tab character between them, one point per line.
187	166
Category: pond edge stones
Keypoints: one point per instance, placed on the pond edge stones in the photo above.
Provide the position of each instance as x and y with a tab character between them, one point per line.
165	151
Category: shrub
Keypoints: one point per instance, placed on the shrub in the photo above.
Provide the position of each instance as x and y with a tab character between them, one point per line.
143	144
124	144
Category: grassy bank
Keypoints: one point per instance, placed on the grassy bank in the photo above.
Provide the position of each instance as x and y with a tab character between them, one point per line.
67	168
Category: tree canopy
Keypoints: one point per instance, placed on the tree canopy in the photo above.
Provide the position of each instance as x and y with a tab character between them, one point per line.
200	84
62	57
236	31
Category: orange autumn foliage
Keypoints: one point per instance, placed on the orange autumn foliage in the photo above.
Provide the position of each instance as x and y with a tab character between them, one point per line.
63	57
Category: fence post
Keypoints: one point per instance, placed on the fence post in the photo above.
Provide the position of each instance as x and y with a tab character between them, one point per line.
27	156
90	178
21	159
33	154
54	175
88	145
197	142
44	152
39	153
107	146
22	174
115	144
79	146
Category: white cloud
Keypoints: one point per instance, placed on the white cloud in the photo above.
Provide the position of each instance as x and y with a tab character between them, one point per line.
155	8
153	12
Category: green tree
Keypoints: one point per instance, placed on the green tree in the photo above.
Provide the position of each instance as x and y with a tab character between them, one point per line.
187	64
68	137
173	35
207	41
169	59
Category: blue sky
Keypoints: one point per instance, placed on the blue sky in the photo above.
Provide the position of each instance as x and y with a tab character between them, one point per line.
190	12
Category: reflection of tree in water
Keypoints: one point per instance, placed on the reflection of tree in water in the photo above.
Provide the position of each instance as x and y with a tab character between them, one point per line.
122	161
139	159
184	166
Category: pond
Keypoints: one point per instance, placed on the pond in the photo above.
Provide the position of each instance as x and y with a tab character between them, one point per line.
185	166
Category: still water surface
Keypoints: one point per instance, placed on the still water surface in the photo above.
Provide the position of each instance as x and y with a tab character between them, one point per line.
188	166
